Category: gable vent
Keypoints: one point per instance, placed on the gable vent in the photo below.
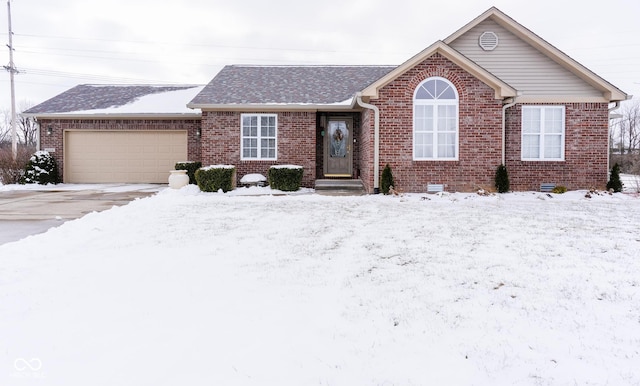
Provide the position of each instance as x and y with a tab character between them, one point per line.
488	41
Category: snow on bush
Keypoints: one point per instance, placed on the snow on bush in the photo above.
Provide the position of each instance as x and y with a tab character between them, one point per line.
41	169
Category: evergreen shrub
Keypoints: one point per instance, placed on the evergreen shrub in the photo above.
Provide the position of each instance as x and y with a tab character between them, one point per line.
502	179
287	178
615	183
190	167
386	180
216	177
41	169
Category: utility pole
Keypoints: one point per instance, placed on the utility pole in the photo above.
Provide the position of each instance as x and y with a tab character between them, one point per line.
12	71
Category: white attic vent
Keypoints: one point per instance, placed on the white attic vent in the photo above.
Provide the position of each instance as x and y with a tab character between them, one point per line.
488	41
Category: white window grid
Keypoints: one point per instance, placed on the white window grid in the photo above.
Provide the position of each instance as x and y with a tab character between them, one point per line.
543	133
435	121
258	137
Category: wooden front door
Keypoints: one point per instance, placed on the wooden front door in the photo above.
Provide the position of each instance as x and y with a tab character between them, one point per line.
338	141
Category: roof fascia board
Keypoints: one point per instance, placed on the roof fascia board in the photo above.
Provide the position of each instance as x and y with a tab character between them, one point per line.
275	107
609	91
113	116
523	99
502	89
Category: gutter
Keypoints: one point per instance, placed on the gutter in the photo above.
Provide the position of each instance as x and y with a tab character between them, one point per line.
376	142
504	129
347	106
149	116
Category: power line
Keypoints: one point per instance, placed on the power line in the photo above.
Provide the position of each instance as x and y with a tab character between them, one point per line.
203	45
75	75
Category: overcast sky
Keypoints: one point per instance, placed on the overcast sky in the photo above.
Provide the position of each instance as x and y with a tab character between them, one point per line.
59	44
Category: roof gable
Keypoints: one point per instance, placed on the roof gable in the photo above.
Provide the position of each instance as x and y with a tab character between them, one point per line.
286	85
606	91
502	89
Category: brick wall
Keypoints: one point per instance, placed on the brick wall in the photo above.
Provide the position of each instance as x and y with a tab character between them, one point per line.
586	151
480	131
55	140
296	143
365	149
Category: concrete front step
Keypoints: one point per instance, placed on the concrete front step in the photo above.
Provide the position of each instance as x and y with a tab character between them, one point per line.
340	187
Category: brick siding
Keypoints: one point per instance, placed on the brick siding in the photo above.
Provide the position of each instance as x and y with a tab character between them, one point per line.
480	131
480	139
365	149
586	150
296	143
56	139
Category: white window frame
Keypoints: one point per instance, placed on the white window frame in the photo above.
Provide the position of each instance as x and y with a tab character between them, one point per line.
258	137
434	104
544	132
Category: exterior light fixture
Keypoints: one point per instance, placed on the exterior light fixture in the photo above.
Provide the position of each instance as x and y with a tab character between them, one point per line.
49	130
198	133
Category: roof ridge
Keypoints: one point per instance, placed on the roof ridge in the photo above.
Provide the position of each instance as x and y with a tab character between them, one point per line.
312	65
187	85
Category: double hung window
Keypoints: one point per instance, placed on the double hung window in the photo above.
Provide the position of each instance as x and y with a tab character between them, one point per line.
259	136
543	130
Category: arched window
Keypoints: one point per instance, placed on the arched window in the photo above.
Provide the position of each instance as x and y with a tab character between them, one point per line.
435	120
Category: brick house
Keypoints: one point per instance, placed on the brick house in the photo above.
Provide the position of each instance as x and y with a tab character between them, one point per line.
491	93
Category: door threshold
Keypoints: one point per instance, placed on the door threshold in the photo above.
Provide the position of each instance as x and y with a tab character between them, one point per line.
338	175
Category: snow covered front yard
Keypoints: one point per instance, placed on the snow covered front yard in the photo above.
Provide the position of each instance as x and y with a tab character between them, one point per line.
187	288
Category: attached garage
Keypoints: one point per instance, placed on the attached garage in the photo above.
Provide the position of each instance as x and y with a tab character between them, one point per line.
120	133
103	156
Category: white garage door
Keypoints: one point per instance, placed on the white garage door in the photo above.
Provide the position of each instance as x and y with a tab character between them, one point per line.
122	156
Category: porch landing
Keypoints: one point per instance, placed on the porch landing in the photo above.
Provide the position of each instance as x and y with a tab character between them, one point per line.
340	187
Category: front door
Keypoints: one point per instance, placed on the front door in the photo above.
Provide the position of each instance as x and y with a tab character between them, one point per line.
338	161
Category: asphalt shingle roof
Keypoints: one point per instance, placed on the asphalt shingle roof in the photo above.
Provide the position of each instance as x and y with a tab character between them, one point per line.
288	84
95	97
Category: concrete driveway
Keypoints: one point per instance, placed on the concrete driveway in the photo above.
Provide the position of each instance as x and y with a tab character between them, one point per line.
32	210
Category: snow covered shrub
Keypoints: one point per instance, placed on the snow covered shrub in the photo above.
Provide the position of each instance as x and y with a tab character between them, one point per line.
190	167
11	171
287	178
615	183
559	189
502	179
386	180
41	169
216	177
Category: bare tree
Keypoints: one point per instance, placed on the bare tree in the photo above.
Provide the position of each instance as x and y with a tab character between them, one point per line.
5	126
625	136
27	126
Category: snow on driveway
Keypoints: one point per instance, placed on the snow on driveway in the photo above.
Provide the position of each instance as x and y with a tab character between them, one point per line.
458	289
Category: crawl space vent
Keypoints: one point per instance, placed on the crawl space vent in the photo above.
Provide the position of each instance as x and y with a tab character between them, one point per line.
488	41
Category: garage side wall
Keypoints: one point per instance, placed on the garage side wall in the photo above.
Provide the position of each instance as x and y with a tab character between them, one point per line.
55	141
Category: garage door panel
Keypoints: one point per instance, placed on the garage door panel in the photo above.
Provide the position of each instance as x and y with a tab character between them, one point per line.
122	156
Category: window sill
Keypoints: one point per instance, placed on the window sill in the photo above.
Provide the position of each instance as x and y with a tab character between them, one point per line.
542	160
436	159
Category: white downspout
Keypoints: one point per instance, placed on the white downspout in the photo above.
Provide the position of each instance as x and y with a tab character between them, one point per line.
611	109
504	130
376	142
